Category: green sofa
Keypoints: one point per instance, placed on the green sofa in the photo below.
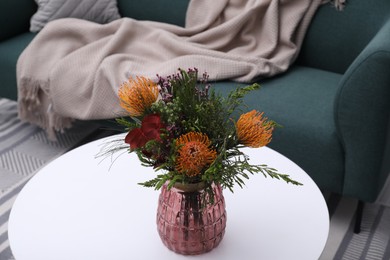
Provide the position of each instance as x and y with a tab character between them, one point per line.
333	103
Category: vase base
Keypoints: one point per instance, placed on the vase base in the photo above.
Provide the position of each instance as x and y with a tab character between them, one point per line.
188	224
192	248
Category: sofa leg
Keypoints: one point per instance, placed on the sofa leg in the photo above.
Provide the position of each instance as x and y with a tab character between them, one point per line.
358	217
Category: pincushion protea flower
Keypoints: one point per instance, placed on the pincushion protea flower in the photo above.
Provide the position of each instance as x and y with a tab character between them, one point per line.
194	153
254	130
137	95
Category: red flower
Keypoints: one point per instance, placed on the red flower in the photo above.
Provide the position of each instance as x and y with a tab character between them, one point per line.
150	130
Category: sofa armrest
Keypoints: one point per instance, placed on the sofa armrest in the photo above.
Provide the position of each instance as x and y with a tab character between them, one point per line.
362	112
15	17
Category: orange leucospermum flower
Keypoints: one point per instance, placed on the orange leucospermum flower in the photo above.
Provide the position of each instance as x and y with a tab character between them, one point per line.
194	153
137	95
254	130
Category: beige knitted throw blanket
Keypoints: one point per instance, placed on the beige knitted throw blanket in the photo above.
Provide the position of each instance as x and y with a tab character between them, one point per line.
73	68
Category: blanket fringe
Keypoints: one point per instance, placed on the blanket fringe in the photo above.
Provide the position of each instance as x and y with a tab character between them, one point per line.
33	108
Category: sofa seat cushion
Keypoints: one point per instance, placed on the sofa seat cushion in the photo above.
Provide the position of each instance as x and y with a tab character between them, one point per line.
9	52
302	101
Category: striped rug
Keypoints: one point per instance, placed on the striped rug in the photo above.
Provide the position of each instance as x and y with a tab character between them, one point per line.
372	243
24	149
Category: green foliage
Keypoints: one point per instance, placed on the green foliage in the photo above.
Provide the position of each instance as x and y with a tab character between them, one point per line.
235	97
127	123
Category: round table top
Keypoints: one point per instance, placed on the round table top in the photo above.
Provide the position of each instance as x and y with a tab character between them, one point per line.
83	207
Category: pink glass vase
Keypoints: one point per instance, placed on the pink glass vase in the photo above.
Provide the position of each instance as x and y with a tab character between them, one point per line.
186	223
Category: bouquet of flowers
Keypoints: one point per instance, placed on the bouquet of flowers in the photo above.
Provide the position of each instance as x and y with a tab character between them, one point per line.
180	126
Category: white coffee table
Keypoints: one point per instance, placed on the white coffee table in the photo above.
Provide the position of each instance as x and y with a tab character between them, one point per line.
79	208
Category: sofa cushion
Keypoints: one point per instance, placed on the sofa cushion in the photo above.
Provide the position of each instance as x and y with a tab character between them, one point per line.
334	38
100	11
15	17
302	101
9	52
172	11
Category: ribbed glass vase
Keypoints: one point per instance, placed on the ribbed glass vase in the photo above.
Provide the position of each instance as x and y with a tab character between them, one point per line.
187	223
